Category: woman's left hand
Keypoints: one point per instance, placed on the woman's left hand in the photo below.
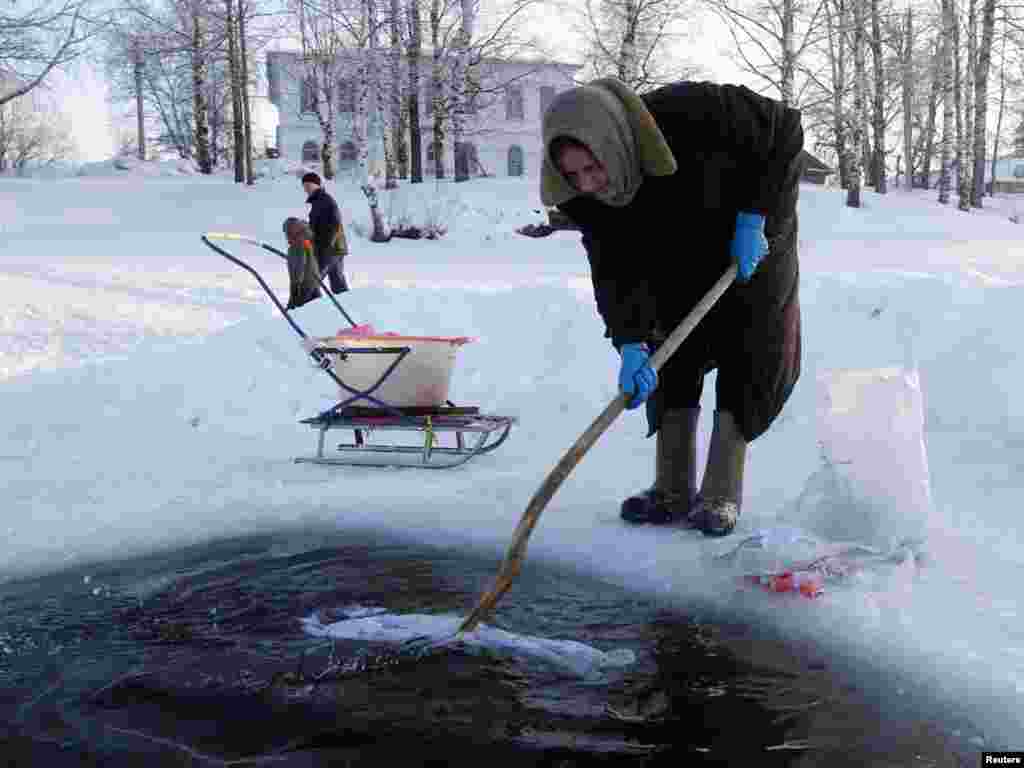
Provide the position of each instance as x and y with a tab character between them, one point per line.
749	245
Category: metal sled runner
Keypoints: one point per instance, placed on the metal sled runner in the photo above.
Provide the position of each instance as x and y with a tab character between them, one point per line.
462	422
474	433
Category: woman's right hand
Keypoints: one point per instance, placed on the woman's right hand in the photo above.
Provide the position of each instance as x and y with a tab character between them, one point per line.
636	376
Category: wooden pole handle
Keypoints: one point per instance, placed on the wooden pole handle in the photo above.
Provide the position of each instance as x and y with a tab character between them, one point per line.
517	549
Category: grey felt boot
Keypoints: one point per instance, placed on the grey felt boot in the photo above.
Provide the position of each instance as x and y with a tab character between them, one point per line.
675	474
717	506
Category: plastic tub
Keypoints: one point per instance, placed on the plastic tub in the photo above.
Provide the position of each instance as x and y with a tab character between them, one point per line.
422	378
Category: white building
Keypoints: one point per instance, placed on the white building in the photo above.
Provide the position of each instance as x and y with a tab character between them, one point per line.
504	134
1009	174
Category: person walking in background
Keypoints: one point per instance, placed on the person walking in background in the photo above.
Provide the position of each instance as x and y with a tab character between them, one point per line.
329	243
668	189
303	282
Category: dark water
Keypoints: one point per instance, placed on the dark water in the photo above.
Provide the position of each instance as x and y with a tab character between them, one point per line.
197	657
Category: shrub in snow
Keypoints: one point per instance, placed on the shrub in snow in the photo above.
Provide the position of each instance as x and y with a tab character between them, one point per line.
272	168
430	219
407	232
556	221
401	223
535	230
439	212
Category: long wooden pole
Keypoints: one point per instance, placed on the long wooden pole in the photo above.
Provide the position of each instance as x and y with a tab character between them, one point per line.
517	550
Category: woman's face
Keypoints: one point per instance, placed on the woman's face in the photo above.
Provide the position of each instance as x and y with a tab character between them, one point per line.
583	170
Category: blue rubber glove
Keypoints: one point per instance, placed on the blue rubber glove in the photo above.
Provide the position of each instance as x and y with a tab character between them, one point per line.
749	245
636	376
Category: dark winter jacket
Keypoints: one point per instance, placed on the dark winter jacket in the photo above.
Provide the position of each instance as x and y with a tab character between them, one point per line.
653	259
329	241
302	275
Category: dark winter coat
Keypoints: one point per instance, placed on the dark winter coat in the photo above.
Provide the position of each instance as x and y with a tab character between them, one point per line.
329	243
653	259
304	285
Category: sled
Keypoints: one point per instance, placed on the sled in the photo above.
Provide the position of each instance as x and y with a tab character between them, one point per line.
380	379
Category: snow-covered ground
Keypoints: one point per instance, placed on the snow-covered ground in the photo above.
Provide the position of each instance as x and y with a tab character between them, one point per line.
150	393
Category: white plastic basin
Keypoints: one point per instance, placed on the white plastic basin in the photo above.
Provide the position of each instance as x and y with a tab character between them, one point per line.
422	378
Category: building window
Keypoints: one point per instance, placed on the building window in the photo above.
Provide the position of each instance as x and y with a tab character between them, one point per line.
310	152
467	162
1018	171
429	166
348	156
308	95
514	103
547	95
346	96
515	160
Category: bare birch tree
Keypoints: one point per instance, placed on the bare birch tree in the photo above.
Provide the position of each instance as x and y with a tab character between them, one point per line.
958	93
981	74
853	190
415	52
437	94
908	97
937	77
128	50
34	42
167	82
484	85
458	91
382	102
878	103
772	40
138	59
200	105
630	39
948	127
171	47
834	14
243	56
218	100
1002	104
370	86
323	58
235	84
32	134
965	183
399	91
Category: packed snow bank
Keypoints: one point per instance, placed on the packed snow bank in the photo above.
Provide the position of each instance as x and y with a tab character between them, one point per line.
871	432
132	165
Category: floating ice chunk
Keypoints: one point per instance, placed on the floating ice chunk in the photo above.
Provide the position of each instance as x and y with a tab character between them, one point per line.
566	655
361	611
774	547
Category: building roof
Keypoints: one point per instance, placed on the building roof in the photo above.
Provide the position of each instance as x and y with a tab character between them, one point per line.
427	55
812	163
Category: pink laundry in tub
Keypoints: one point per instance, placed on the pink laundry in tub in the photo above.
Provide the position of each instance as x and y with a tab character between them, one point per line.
360	330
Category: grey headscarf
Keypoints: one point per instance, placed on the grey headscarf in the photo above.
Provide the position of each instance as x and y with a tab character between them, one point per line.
613	122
